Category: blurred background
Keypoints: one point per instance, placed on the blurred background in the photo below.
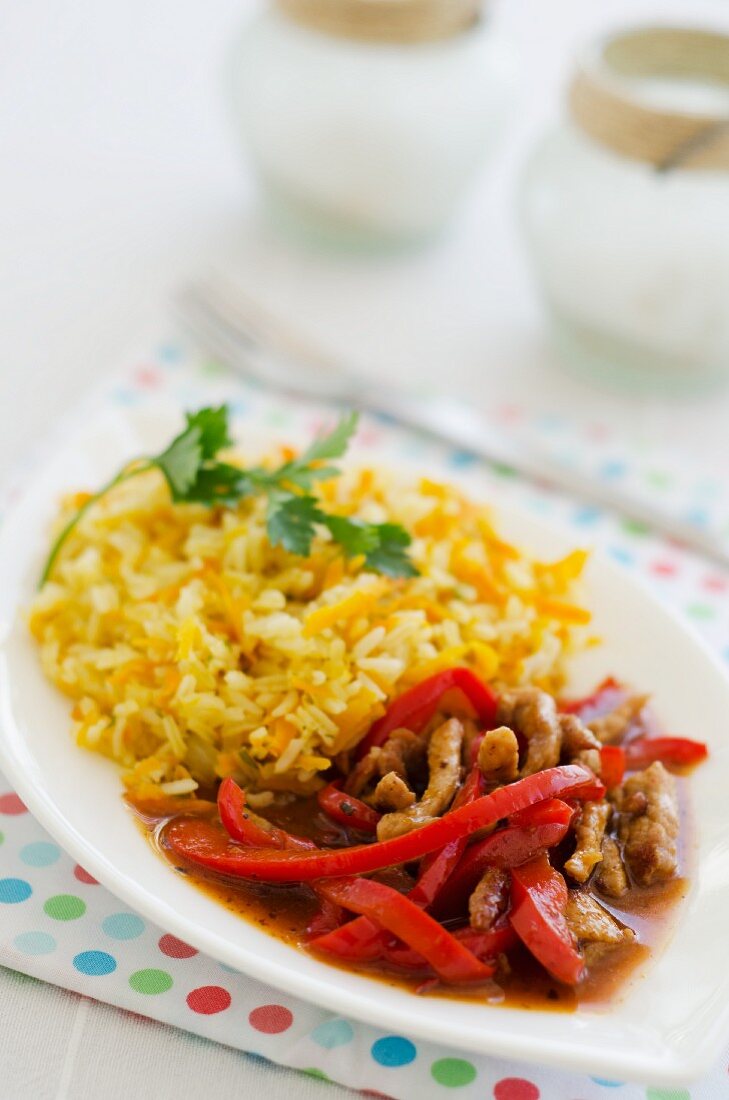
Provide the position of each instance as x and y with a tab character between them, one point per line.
122	176
133	136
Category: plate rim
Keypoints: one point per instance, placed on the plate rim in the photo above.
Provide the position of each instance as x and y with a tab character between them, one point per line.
662	1068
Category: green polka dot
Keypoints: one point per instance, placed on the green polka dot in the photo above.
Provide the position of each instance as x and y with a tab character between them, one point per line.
453	1072
668	1094
701	611
2	837
150	981
318	1073
635	527
65	907
211	368
659	479
502	470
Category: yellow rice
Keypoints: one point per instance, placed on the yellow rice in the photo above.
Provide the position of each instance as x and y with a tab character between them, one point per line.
194	650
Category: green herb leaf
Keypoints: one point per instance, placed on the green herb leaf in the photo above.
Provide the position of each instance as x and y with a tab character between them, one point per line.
390	556
213	426
303	472
194	474
180	463
291	521
352	535
219	483
332	445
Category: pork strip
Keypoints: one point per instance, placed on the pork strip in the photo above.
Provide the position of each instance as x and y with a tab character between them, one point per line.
489	900
498	756
576	737
648	824
595	929
533	714
590	830
611	876
444	764
403	751
612	728
392	793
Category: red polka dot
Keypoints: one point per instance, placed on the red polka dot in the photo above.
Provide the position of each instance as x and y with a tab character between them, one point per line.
368	437
270	1019
664	568
84	876
209	999
148	377
515	1088
11	804
509	413
598	432
715	584
176	949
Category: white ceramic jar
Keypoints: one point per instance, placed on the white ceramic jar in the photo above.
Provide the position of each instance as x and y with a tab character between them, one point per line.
626	210
365	120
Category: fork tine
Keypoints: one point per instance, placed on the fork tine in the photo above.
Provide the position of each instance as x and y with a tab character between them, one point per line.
257	345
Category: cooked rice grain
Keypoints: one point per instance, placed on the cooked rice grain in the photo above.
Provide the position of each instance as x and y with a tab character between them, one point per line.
194	649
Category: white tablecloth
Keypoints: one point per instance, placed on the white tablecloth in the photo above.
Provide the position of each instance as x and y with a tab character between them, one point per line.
118	180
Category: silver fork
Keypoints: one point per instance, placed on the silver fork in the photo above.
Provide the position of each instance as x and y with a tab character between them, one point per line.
246	337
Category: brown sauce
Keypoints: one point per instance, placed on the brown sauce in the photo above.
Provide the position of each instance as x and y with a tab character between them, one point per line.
286	910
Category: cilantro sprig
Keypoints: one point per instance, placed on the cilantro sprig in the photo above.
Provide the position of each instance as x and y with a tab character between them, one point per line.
195	474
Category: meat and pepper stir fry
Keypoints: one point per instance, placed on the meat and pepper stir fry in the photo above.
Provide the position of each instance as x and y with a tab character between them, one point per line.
466	829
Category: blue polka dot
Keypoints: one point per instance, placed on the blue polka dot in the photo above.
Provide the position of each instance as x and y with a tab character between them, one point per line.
607	1084
40	854
258	1058
123	926
125	397
551	422
35	943
393	1051
619	554
461	459
169	353
698	517
333	1033
13	890
94	963
228	969
611	471
587	516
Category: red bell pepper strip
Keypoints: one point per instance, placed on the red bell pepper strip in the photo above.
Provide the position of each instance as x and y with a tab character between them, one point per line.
363	938
326	919
539	899
416	706
246	828
346	810
553	811
451	961
678	751
612	765
484	945
507	848
200	843
487	945
436	867
606	696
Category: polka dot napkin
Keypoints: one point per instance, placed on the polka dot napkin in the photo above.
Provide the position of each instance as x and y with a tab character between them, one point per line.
58	924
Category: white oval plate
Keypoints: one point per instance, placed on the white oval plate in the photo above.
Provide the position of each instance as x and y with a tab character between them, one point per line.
668	1024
